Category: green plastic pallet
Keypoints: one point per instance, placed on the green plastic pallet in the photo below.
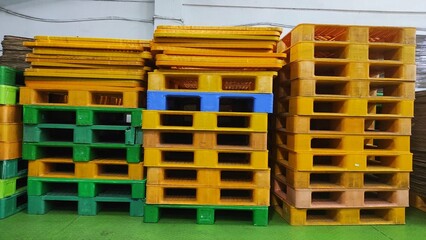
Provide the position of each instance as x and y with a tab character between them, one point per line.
13	204
82	152
206	213
11	186
8	94
7	76
86	187
83	116
82	134
13	168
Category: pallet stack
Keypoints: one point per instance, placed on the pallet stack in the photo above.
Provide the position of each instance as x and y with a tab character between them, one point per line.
418	177
344	104
205	140
13	170
82	123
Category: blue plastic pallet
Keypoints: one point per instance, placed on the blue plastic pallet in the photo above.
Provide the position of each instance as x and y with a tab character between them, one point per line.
13	168
210	102
13	204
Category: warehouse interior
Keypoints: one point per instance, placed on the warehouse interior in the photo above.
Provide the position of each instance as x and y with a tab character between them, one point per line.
150	24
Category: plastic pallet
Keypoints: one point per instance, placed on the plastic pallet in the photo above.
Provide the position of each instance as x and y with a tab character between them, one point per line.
10	186
319	161
418	201
373	144
8	94
205	158
7	76
86	187
338	106
238	82
46	132
345	88
10	150
385	52
226	196
259	46
209	177
95	169
211	102
344	216
10	132
87	61
57	96
12	168
96	53
206	121
168	50
13	204
87	206
206	213
350	34
344	125
82	152
338	69
342	180
205	140
338	198
82	116
10	113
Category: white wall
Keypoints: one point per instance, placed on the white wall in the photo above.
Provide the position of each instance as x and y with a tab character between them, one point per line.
285	13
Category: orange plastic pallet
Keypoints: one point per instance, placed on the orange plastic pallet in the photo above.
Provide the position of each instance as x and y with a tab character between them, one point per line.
318	161
10	150
95	169
344	125
345	216
342	180
345	88
242	82
63	95
176	194
231	178
340	106
10	113
10	132
338	198
205	158
205	140
331	143
418	201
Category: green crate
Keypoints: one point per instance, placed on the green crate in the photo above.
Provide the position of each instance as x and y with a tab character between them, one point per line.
13	168
13	204
8	94
7	76
206	213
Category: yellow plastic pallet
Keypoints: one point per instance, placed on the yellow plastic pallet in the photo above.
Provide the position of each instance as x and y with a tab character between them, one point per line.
10	113
176	194
91	39
10	132
10	150
351	34
205	140
218	52
386	52
221	28
340	198
218	32
342	180
89	60
231	178
331	143
418	201
66	43
205	121
240	82
345	216
45	64
319	161
170	61
87	73
345	88
341	106
34	82
344	125
256	46
50	51
205	34
341	69
205	158
64	95
95	169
